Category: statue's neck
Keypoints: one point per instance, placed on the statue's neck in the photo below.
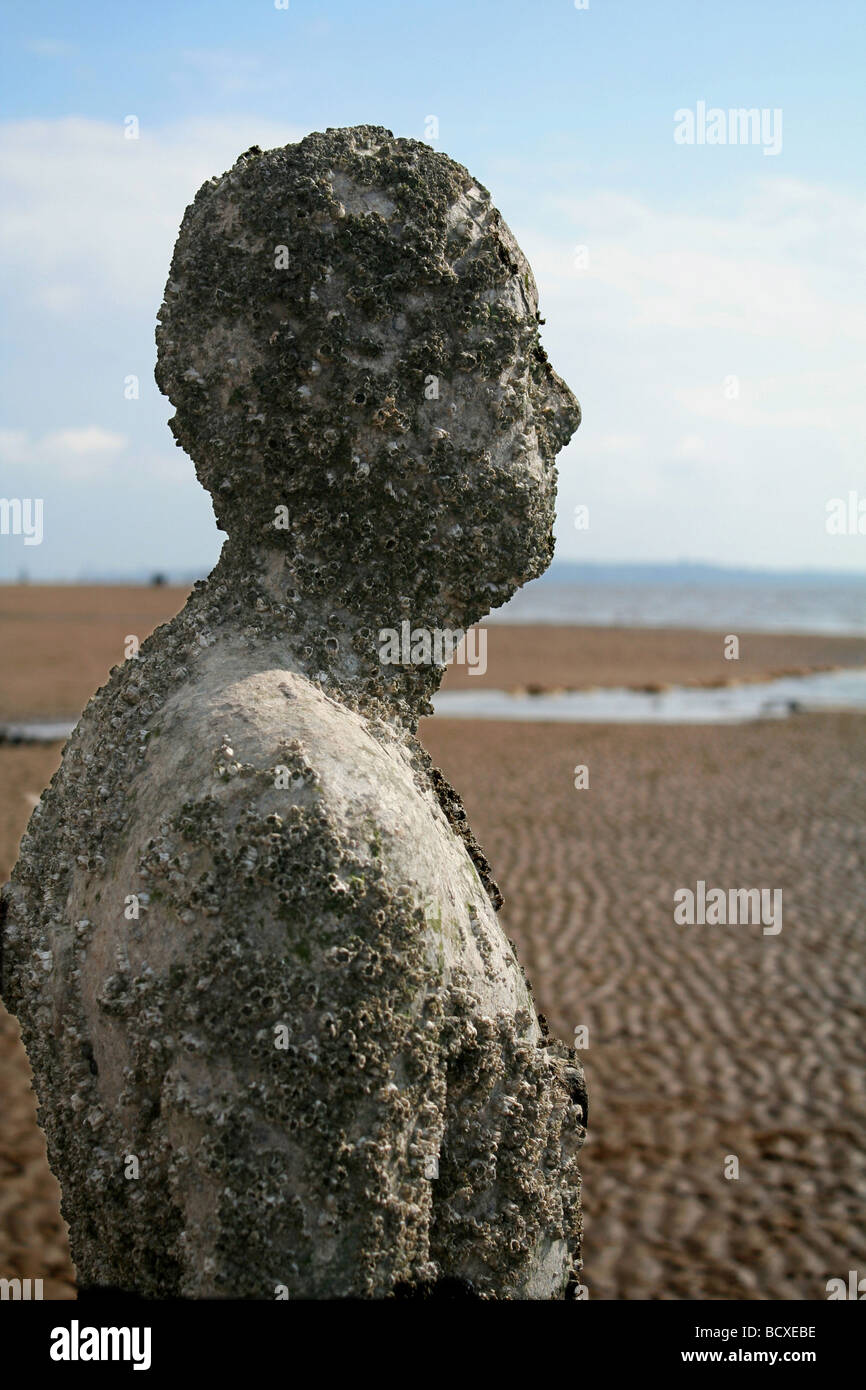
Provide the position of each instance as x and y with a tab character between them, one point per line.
378	662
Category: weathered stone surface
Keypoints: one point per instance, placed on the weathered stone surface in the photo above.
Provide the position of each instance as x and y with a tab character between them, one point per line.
314	1040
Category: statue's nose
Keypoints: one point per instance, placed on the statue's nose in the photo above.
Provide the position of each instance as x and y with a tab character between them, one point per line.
562	407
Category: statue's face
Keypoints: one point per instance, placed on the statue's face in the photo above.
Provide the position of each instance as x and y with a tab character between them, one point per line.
505	414
351	332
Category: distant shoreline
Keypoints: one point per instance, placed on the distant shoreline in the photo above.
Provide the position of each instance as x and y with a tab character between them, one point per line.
561	571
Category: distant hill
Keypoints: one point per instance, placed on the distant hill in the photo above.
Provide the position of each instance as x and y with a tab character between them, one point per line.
687	572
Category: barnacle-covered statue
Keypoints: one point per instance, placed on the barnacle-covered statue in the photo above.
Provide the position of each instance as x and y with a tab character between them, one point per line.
281	1044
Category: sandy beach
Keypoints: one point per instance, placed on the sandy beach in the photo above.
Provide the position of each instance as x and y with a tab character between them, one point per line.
65	639
582	658
704	1043
33	1241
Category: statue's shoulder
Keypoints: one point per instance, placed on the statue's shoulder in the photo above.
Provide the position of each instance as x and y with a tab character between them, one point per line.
269	758
272	734
240	750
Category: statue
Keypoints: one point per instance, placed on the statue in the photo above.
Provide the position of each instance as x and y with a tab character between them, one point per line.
281	1044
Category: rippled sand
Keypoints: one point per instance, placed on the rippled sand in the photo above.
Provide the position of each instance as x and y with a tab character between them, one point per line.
33	1243
704	1041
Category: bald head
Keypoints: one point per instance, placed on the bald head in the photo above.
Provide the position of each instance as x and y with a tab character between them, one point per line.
350	333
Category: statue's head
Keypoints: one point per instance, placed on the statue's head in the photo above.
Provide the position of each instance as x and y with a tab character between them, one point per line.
350	339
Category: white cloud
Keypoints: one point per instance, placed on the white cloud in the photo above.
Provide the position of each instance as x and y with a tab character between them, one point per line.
78	452
88	212
671	307
829	400
79	443
92	454
226	71
51	48
778	263
691	446
619	443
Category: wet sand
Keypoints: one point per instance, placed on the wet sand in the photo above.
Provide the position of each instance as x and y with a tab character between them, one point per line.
64	639
33	1240
704	1042
581	658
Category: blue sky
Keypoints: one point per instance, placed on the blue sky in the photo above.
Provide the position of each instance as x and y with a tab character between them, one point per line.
704	301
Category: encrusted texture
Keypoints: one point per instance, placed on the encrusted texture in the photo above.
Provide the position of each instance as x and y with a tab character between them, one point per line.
280	1041
317	295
